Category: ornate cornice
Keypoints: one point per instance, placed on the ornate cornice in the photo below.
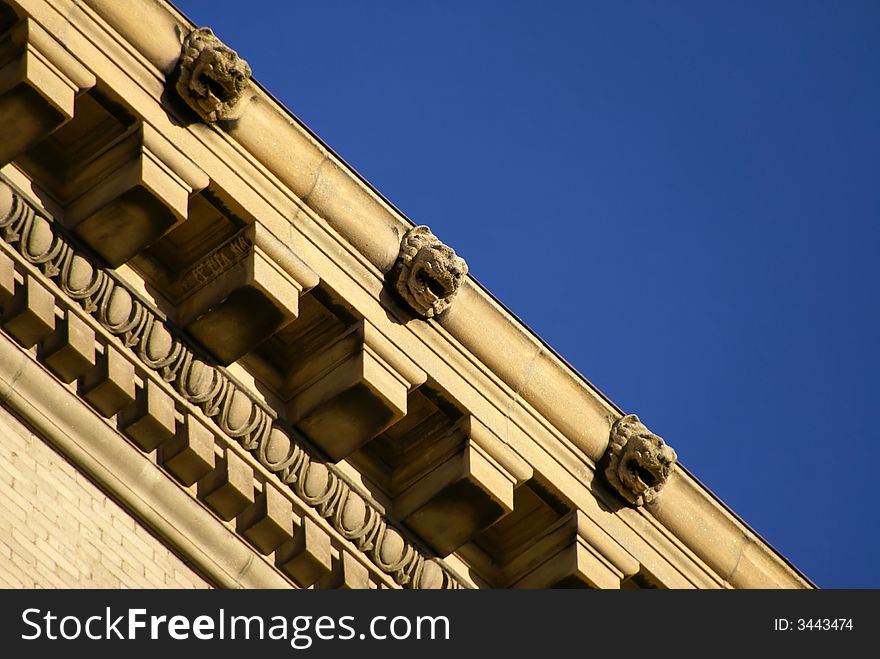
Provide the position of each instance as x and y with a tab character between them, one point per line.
236	412
268	170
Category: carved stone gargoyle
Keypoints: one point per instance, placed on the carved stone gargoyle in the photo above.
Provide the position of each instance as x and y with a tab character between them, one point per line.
428	273
212	76
639	463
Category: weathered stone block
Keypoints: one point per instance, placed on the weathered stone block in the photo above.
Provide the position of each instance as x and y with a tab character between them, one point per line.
69	351
39	81
30	315
110	385
574	566
460	497
127	195
229	488
242	293
352	390
268	522
150	421
575	554
307	556
189	455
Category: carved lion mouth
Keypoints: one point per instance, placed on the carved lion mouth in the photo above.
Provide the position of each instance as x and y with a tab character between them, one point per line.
217	81
435	276
646	463
437	285
216	87
647	476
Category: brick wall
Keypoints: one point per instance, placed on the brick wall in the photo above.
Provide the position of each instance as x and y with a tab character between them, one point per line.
57	530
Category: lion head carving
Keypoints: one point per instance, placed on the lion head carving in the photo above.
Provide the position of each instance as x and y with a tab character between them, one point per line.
429	273
212	76
640	462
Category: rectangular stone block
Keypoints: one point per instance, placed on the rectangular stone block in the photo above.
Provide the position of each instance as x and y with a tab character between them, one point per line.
30	315
110	385
189	455
242	293
574	566
127	195
571	555
348	574
307	557
268	522
352	390
69	351
229	488
459	498
150	421
39	81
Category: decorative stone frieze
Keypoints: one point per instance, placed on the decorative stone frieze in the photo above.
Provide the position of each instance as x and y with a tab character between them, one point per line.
212	75
235	411
639	461
428	273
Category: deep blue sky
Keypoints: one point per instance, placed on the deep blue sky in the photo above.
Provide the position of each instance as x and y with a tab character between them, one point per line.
682	198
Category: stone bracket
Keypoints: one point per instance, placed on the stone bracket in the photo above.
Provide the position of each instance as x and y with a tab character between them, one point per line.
268	522
229	488
242	293
39	82
347	574
466	493
576	553
70	350
307	557
189	455
110	385
351	390
29	315
151	420
130	193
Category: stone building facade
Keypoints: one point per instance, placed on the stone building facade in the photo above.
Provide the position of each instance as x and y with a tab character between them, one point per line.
227	361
